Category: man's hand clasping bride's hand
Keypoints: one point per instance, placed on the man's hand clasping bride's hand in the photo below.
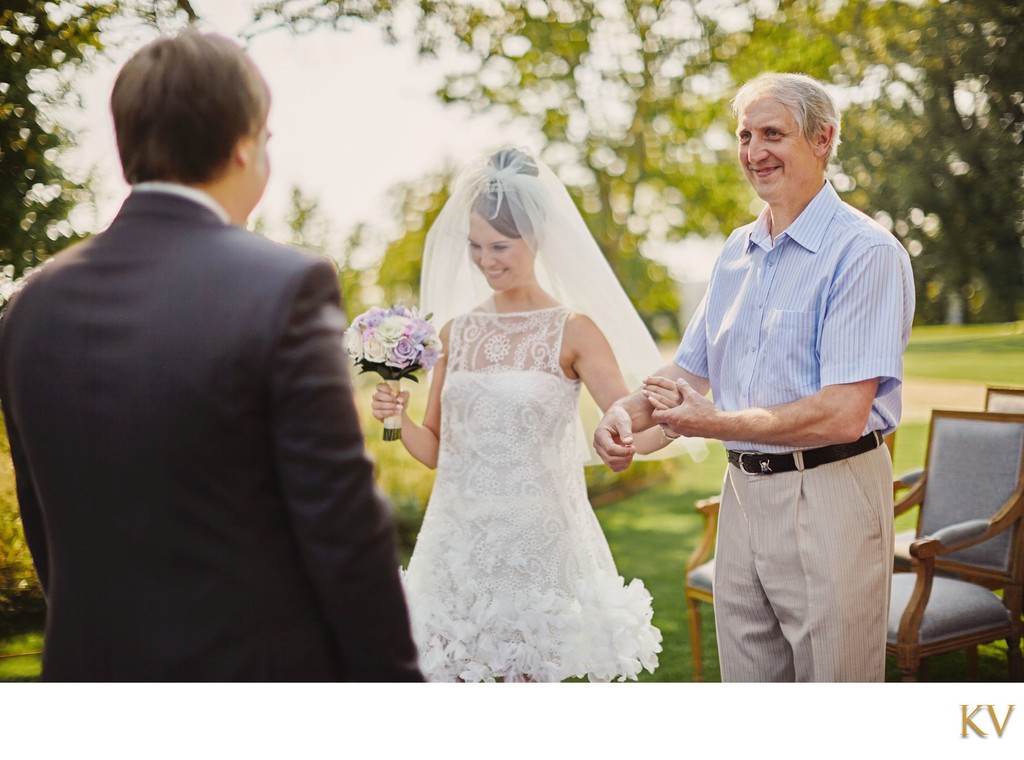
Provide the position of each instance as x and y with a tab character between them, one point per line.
678	407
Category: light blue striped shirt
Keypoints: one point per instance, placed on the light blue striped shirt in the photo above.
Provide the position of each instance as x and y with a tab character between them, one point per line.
831	302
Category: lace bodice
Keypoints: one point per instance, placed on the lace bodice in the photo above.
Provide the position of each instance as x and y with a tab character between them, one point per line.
521	341
506	398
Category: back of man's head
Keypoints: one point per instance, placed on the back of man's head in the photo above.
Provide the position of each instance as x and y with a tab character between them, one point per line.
180	106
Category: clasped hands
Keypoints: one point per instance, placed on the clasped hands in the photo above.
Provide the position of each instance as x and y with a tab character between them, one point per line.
674	404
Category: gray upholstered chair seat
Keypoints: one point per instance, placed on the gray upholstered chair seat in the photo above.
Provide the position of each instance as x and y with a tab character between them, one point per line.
955	608
702	576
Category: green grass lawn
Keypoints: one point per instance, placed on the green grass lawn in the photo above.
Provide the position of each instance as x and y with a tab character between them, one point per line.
15	665
652	532
987	354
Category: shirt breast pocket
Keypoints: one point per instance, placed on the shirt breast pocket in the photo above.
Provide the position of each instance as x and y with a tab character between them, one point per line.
790	357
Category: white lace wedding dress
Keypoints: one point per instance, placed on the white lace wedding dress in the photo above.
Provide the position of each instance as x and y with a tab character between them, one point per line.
511	576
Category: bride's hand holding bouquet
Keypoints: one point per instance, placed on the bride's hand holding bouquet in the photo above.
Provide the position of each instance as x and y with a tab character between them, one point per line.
395	343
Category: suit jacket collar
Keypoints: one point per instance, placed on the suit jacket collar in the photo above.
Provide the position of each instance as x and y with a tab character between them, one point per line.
155	203
185	191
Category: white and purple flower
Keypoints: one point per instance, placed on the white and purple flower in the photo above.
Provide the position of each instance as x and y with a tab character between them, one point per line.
393	342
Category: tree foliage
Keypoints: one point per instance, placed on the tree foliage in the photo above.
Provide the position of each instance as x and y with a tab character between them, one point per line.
613	89
620	92
631	97
44	46
944	148
933	136
38	53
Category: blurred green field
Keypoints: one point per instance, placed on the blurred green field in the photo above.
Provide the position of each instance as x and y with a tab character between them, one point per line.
986	354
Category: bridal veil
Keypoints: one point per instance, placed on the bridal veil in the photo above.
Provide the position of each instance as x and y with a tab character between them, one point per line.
569	266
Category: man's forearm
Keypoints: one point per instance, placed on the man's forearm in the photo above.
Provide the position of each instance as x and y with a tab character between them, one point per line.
835	414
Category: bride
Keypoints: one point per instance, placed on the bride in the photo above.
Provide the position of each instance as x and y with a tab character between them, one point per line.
511	577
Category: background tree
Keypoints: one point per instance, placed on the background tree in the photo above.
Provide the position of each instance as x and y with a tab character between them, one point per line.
44	46
417	205
40	51
631	97
944	148
618	92
932	136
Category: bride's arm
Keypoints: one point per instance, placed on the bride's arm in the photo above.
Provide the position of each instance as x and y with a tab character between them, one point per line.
420	440
587	355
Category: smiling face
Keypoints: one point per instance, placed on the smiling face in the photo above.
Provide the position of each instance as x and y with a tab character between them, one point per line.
784	168
506	262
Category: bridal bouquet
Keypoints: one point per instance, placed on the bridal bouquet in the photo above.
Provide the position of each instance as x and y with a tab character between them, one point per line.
394	343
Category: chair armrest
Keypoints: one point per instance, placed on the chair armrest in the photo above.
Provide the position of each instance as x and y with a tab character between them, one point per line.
953	535
709	507
706	545
913	497
953	538
908	479
968	533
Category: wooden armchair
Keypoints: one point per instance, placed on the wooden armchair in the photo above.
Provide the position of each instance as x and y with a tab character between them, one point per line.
700	574
969	541
1005	400
997	399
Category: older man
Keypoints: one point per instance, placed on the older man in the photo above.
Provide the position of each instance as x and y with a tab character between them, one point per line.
800	339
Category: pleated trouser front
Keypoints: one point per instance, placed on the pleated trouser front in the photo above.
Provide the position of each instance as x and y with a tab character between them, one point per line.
802	572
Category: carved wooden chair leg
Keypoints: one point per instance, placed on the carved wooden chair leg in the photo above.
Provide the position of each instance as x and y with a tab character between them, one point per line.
694	608
1014	655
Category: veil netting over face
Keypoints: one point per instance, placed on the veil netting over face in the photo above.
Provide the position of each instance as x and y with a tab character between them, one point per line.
569	266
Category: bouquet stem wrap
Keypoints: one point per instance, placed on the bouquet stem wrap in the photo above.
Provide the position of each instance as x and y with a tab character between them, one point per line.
393	424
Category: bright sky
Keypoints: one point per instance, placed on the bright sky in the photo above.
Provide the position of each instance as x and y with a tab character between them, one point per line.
351	117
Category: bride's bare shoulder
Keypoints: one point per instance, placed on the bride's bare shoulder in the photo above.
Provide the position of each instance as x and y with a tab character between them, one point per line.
582	333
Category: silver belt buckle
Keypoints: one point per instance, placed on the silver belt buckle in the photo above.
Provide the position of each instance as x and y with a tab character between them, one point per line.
765	468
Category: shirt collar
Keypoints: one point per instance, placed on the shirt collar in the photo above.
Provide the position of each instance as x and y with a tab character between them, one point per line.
760	233
184	191
808	229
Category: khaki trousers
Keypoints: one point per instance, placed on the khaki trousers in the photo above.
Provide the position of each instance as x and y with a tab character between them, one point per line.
802	572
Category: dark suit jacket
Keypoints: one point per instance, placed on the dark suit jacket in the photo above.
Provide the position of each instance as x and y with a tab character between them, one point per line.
190	469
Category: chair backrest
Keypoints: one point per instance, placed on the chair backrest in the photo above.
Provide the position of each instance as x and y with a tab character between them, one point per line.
974	465
1006	400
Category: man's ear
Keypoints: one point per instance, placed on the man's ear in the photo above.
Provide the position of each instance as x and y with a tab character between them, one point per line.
244	151
822	142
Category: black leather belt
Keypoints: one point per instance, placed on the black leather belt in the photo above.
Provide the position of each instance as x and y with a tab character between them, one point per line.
756	463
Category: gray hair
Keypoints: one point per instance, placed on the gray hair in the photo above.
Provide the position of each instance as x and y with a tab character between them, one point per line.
805	98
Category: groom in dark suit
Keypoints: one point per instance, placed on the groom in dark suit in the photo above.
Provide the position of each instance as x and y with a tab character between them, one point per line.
190	469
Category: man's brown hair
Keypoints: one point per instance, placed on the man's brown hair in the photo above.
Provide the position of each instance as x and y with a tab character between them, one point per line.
181	104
